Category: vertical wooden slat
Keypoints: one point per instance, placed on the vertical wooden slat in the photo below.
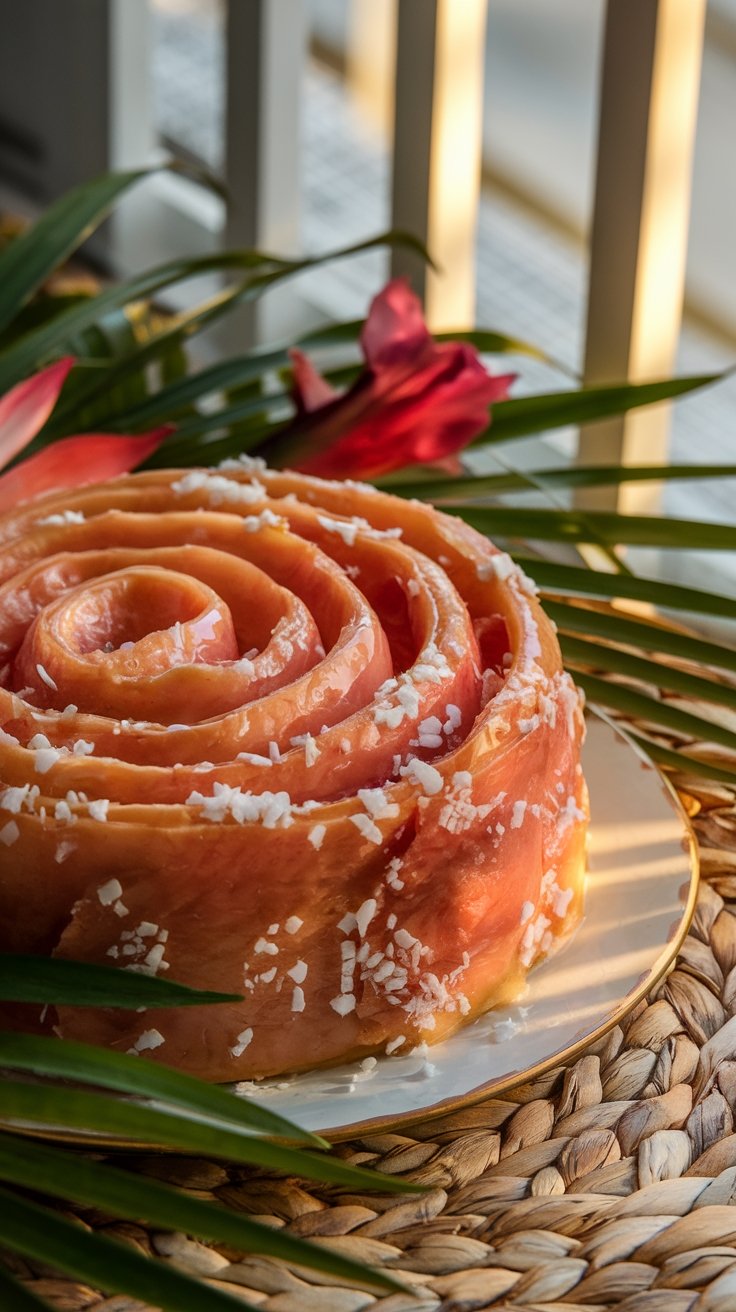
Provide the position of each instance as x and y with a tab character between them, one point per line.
370	58
440	57
652	59
266	46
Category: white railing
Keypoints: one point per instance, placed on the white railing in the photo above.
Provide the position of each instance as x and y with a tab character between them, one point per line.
423	60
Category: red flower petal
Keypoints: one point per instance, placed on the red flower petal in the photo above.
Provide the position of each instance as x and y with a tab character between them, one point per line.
74	461
26	407
311	390
442	409
395	331
416	402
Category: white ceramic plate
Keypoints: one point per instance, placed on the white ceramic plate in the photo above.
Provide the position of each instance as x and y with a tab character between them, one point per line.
640	895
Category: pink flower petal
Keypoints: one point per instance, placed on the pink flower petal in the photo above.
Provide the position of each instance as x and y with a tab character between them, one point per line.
395	331
417	400
26	407
74	461
311	390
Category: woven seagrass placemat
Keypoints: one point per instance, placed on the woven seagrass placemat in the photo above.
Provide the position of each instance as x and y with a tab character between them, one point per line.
608	1183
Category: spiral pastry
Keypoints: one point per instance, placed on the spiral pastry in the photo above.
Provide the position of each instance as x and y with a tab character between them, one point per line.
292	739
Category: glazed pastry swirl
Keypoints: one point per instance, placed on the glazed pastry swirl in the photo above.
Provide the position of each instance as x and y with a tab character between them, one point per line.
293	739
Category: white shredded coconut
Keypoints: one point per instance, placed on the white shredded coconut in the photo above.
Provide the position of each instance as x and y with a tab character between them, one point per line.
16	798
346	529
220	490
527	911
392	874
9	833
316	836
500	566
241	1043
253	758
343	1004
46	756
517	814
364	915
377	804
367	828
266	519
251	464
424	775
64	517
110	892
148	1040
263	945
273	810
454	718
46	677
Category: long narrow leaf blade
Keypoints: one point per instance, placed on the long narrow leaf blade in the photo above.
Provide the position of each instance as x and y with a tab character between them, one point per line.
479	485
602	656
51	1171
537	414
47	339
164	404
680	761
637	633
15	1297
594	583
26	262
643	707
96	1114
80	1062
39	1233
82	984
596	526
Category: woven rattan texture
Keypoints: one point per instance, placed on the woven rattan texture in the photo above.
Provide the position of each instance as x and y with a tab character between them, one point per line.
609	1183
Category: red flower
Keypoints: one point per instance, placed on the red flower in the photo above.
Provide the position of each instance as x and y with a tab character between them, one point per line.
69	463
416	402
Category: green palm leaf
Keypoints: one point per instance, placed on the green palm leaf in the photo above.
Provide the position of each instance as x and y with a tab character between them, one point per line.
36	1232
262	271
595	526
96	1114
643	707
47	1170
683	763
639	633
15	1297
580	654
49	1057
436	489
575	580
28	260
526	415
79	983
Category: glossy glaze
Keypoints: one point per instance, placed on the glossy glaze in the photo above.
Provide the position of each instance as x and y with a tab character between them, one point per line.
199	624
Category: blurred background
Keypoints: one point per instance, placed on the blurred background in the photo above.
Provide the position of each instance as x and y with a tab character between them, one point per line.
292	105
